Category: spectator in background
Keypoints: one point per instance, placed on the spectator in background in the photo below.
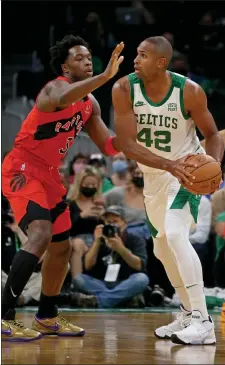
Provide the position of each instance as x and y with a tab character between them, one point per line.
93	32
200	233
170	37
218	205
136	14
129	196
86	208
147	16
114	267
222	185
179	61
120	172
179	65
77	164
206	45
98	161
64	173
220	250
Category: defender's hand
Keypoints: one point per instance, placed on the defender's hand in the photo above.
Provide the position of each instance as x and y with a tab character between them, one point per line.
115	61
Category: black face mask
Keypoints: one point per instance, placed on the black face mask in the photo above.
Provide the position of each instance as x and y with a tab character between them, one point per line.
88	192
138	181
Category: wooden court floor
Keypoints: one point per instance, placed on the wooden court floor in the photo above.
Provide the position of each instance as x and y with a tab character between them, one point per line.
114	338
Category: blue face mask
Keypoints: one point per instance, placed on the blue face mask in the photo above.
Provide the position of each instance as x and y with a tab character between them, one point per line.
119	166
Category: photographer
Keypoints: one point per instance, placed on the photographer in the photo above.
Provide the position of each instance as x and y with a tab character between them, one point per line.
114	267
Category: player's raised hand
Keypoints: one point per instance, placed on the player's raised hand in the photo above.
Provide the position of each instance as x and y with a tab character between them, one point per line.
115	61
178	169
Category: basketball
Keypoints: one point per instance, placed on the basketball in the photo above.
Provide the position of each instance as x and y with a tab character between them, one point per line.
207	174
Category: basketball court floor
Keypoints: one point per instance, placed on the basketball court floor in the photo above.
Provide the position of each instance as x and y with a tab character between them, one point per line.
114	337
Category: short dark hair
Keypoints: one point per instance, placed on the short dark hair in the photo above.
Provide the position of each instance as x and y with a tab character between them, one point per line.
75	158
162	46
59	52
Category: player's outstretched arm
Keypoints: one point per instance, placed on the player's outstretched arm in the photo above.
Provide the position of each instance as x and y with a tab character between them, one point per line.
126	131
195	102
97	130
59	94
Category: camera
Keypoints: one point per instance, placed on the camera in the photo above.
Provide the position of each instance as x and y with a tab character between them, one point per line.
110	230
6	219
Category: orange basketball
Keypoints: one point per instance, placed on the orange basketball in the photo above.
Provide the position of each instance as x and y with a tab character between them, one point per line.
207	174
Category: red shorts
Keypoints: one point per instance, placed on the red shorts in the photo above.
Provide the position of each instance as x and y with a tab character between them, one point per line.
36	193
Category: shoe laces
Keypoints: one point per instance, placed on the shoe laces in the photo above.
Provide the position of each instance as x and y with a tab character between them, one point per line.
17	324
62	319
184	319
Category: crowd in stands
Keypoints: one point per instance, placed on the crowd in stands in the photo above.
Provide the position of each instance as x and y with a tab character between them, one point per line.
197	38
112	262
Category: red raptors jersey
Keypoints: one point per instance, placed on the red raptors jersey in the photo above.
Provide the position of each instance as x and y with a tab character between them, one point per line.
46	137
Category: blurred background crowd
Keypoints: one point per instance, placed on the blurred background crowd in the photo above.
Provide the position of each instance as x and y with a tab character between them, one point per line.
105	194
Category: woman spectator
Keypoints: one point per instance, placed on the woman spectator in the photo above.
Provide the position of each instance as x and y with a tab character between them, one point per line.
129	196
86	207
120	170
76	165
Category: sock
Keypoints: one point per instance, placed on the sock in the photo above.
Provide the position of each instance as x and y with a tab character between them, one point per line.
196	292
182	292
163	252
197	299
177	230
47	307
23	266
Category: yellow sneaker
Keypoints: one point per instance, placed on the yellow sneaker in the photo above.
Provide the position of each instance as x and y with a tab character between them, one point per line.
222	318
56	326
14	331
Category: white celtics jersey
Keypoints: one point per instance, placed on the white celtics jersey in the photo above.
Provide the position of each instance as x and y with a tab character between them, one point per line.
164	128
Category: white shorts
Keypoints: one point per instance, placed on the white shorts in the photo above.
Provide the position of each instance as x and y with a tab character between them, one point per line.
162	191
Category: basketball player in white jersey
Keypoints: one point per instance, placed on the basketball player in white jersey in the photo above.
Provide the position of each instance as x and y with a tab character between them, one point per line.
156	112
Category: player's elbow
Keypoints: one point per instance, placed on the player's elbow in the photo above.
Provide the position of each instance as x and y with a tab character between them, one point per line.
63	99
214	135
66	97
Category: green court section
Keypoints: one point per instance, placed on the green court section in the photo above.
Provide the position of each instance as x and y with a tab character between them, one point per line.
117	310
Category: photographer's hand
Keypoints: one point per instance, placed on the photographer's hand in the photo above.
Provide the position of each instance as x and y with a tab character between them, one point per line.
13	226
115	243
91	256
98	232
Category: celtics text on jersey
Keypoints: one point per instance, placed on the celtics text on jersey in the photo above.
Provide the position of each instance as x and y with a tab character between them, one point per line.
164	128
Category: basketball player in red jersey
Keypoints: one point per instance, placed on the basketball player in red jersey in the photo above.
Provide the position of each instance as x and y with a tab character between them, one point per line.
31	182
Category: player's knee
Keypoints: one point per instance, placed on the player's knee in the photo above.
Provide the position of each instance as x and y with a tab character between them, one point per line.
39	236
141	279
61	249
173	235
79	246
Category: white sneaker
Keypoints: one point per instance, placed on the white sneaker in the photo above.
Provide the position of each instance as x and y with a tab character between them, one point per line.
199	332
183	319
